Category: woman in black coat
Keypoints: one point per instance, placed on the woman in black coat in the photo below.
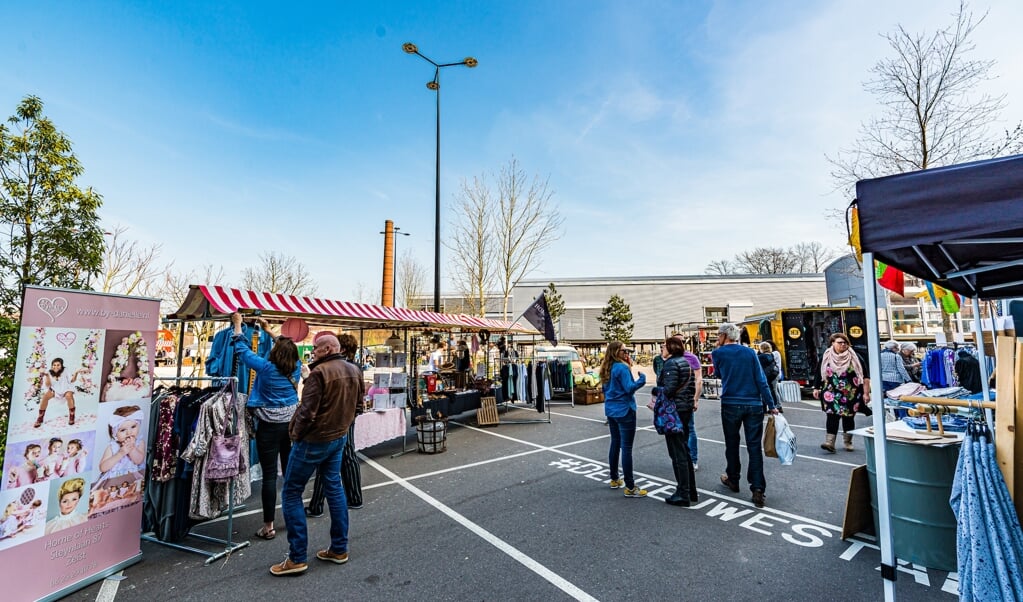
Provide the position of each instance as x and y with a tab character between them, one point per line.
678	384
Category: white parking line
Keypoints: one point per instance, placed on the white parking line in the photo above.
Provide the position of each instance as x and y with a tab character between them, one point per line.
558	581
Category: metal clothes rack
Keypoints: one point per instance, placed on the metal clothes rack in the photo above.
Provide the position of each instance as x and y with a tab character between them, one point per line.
229	545
510	405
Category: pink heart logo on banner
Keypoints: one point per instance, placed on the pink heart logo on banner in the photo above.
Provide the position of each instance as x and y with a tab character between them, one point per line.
53	307
66	338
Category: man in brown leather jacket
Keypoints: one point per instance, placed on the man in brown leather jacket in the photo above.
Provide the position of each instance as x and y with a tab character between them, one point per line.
318	431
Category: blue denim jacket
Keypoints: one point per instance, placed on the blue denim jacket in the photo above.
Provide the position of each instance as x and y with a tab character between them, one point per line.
272	389
620	391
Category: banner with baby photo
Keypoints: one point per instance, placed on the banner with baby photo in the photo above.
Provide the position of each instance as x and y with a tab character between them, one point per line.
73	474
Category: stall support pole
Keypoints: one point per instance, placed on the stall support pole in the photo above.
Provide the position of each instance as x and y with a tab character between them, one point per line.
411	374
884	528
988	416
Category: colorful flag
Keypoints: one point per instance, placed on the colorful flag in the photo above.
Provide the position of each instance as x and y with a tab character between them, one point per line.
854	233
890	278
949	301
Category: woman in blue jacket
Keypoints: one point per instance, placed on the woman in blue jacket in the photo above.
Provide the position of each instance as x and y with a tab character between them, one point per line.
620	409
272	401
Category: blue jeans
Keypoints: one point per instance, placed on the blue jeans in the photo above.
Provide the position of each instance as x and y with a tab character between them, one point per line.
623	433
693	453
306	458
751	420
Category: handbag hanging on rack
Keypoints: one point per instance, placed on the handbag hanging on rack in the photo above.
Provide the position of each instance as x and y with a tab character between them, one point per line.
224	459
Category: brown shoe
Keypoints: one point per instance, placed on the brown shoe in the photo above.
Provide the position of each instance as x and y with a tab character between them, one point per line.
332	556
729	483
758	498
288	568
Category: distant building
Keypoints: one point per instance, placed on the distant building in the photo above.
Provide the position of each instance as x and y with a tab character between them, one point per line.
657	301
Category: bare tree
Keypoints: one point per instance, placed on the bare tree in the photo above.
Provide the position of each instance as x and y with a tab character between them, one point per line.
472	244
720	267
129	268
765	260
932	113
176	286
279	273
361	294
811	257
527	222
411	279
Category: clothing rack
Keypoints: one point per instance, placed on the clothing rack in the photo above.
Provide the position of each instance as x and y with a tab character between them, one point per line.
934	405
229	546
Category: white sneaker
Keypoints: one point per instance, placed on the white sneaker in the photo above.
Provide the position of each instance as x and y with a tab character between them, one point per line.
696	467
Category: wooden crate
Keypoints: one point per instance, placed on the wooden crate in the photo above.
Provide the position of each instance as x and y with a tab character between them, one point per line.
588	396
487	414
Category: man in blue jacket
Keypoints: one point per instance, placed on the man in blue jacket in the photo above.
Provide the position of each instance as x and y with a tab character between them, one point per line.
745	397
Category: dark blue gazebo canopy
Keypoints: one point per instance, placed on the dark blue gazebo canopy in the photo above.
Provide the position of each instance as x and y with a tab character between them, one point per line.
959	226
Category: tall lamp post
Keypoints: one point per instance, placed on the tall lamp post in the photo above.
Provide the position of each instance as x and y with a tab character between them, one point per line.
434	85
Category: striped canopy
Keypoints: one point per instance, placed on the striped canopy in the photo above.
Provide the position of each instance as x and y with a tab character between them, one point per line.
210	302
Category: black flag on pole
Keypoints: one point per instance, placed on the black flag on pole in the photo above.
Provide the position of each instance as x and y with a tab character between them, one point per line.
537	315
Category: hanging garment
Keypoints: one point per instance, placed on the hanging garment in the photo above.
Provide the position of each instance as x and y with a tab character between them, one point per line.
209	499
989	540
221	360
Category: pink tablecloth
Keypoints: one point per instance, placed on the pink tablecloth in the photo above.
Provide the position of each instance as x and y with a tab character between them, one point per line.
373	427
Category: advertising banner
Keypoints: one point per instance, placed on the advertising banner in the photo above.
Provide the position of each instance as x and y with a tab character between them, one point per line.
71	490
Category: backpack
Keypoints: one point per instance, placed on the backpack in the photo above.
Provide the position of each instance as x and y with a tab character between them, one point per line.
770	368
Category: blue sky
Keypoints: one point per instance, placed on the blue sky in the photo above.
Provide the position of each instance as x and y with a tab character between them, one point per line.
672	133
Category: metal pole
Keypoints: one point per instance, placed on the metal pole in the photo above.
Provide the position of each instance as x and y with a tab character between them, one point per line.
436	218
979	333
884	529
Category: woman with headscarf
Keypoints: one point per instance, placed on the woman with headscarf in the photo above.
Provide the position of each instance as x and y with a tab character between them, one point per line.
842	384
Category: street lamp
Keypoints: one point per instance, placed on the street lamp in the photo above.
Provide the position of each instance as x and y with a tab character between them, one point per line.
434	85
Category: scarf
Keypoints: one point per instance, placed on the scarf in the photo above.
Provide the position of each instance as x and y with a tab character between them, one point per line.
839	363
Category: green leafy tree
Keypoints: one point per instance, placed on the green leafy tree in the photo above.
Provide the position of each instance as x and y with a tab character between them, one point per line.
49	227
555	306
616	320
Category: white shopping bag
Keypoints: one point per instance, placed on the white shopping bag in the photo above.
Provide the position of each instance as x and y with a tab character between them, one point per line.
785	440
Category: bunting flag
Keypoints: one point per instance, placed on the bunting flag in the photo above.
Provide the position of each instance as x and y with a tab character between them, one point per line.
949	301
854	233
890	278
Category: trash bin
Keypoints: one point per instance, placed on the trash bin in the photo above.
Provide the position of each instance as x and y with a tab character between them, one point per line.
919	488
432	436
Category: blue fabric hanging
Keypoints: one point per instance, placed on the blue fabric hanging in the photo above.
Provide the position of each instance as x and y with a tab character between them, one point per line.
989	538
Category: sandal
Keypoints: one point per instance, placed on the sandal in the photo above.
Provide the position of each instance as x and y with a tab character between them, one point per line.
265	533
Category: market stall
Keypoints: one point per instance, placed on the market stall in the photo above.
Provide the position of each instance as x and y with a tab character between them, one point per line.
961	228
438	390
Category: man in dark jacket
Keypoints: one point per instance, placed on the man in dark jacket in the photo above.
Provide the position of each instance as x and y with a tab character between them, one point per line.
318	431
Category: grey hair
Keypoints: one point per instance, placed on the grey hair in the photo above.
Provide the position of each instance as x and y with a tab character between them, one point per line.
729	331
908	346
891	345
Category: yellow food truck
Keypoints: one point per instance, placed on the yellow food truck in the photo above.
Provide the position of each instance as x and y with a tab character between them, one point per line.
801	335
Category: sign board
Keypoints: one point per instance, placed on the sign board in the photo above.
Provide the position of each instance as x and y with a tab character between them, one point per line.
73	475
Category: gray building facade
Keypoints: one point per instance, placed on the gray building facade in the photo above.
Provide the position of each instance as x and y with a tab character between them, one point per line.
657	301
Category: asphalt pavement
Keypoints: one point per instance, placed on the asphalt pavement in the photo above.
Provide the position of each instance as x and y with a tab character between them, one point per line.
524	512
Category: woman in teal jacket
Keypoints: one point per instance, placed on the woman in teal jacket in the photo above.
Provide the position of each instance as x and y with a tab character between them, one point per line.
620	408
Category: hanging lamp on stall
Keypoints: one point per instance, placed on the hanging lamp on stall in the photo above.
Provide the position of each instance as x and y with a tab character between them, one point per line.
395	342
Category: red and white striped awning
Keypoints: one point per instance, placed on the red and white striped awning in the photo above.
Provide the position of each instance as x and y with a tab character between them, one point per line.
211	302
